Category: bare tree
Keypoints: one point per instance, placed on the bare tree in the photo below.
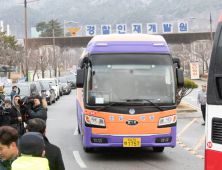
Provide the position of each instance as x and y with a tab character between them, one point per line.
184	52
10	52
12	57
202	50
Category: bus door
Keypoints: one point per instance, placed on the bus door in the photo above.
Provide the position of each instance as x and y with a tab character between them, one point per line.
213	151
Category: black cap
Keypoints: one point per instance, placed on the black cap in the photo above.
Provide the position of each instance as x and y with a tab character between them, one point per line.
31	143
38	97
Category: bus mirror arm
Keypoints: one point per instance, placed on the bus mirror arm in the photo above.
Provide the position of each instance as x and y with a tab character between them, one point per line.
85	62
176	60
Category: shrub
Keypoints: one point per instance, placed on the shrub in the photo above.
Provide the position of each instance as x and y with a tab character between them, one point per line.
186	90
205	76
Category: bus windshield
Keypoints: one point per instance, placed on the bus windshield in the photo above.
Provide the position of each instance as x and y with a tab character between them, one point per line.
124	77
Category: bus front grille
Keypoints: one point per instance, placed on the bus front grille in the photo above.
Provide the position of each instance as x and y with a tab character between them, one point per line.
217	130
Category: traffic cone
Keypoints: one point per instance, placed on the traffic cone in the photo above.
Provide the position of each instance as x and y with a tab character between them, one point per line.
220	20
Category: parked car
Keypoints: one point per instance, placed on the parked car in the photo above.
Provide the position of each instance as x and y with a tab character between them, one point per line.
65	85
72	79
53	83
50	94
58	83
25	90
40	89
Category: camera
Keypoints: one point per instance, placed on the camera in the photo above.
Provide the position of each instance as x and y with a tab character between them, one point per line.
27	102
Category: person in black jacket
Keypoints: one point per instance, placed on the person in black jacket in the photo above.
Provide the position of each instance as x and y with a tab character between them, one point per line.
5	118
16	117
52	152
39	109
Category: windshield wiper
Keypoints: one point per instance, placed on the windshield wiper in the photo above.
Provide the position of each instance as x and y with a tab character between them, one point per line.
146	100
104	107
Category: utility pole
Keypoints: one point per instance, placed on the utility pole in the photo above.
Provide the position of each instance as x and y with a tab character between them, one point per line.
211	32
53	34
26	56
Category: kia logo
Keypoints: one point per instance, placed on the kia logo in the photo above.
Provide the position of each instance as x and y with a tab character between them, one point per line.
132	122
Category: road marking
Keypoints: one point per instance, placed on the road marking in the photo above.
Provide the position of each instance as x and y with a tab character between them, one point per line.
193	151
190	150
76	131
191	105
186	127
79	159
199	143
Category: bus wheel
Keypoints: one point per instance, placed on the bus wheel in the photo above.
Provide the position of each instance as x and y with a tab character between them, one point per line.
158	149
79	130
88	150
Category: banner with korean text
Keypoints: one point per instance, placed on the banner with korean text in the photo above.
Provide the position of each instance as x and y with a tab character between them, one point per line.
194	70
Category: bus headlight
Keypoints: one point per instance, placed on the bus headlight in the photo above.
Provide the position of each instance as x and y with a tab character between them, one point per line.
167	120
94	120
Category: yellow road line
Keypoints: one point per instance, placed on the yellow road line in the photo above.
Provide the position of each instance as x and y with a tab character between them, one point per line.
190	150
199	143
186	127
191	105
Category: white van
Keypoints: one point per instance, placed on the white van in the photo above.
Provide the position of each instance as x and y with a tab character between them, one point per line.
54	85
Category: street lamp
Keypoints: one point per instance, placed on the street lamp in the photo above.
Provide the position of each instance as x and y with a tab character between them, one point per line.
68	23
211	33
26	57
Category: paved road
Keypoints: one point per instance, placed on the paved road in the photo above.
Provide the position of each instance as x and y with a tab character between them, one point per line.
61	127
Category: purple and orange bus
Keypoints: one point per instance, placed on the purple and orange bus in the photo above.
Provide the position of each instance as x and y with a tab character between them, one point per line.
126	92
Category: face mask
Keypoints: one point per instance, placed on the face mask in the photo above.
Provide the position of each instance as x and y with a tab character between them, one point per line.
8	107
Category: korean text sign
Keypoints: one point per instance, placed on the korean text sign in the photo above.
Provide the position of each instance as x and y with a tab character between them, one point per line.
194	70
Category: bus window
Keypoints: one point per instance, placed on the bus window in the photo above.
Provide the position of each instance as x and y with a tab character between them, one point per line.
111	81
219	86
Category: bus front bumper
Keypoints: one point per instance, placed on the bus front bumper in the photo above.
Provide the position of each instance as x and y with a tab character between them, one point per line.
149	140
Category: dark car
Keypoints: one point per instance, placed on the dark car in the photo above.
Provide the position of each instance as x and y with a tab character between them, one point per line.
40	89
25	90
66	86
72	79
50	94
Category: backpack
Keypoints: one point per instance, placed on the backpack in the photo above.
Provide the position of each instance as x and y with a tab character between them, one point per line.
30	163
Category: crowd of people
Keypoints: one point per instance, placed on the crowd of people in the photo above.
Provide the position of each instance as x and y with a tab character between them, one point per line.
23	141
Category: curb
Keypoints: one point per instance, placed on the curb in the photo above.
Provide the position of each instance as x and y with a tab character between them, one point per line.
189	115
186	110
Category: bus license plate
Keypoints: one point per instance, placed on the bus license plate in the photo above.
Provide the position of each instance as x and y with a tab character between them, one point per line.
131	142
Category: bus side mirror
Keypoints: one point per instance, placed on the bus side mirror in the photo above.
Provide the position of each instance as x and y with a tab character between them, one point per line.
176	60
80	77
179	76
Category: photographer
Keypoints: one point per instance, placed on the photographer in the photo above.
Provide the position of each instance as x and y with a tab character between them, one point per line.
5	110
13	93
39	109
16	117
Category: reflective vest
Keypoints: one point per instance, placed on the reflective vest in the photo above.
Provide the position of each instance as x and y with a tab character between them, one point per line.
30	163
